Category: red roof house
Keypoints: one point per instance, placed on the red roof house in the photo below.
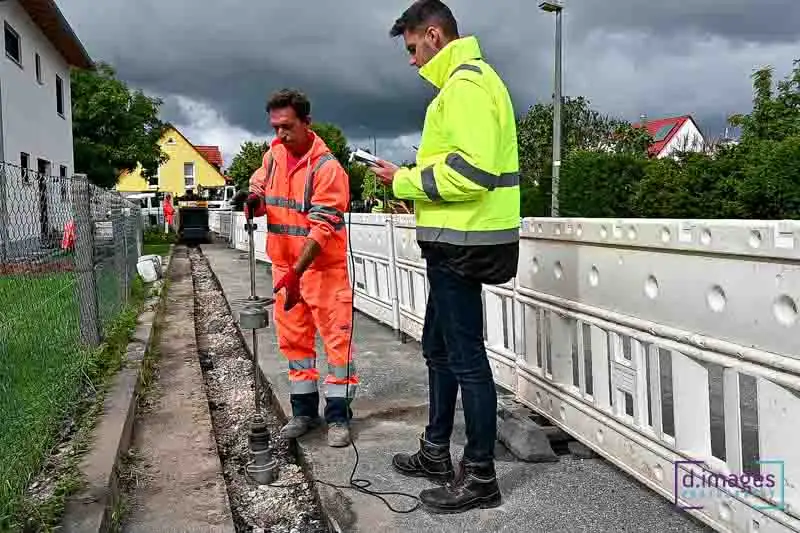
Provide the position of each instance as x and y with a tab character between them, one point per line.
673	134
212	154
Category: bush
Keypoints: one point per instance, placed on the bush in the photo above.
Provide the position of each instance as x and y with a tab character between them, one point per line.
600	184
695	186
769	187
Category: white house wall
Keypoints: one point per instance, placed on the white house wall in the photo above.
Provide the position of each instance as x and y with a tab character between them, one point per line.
31	124
688	138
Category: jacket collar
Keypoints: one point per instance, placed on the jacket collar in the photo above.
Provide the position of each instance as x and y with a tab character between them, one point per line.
317	150
442	65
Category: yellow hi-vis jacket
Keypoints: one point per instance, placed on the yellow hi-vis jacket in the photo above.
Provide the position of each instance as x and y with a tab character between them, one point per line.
466	182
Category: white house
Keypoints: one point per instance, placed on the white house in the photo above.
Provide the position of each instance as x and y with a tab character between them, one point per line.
674	134
39	50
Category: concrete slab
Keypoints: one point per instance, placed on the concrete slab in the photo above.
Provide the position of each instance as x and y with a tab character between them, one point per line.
391	411
181	485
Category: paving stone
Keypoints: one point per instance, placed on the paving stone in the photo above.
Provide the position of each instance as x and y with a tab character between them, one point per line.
526	441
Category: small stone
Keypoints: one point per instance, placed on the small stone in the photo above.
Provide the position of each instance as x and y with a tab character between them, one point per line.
526	441
581	451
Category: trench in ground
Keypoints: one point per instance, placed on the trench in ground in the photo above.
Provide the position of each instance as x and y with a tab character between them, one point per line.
228	375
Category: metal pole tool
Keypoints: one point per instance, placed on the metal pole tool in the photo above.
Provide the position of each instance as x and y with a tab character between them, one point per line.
263	468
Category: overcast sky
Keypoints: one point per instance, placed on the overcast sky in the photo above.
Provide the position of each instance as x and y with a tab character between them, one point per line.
214	62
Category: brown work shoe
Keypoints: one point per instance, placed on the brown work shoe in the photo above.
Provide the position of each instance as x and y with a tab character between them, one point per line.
298	426
338	435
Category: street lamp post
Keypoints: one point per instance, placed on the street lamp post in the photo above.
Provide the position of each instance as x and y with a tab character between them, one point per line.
556	7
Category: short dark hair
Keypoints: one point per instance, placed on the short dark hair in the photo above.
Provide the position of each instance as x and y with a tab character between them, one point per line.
424	12
290	98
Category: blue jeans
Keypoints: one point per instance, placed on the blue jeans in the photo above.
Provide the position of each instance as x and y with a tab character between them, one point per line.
454	350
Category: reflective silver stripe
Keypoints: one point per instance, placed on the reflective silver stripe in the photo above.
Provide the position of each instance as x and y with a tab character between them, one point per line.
322	218
481	177
286	229
508	179
302	364
340	391
340	372
429	184
309	191
277	201
270	166
302	387
288	203
472	68
326	210
464	238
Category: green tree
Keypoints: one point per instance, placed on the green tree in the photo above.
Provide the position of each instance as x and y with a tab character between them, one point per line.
246	161
335	139
776	114
114	128
583	128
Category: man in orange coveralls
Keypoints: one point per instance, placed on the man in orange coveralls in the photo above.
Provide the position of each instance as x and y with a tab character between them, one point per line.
304	192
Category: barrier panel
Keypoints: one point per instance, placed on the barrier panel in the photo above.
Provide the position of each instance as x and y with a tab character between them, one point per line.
670	347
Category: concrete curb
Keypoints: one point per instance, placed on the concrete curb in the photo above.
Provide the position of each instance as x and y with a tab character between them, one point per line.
274	403
92	509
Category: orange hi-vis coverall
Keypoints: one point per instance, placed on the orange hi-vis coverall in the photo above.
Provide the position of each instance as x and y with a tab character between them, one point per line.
309	201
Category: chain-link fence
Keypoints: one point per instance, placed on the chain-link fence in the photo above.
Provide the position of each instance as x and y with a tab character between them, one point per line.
68	255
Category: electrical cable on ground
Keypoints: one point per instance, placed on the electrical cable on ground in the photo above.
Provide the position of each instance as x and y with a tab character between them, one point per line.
358	484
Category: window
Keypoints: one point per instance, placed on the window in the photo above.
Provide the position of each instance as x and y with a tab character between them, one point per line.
170	141
60	96
43	169
38	59
188	175
13	45
62	178
152	181
24	162
662	132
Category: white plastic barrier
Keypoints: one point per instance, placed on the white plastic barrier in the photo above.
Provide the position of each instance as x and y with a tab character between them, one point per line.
670	347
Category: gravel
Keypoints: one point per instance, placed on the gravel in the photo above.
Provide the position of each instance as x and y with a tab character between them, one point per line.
228	374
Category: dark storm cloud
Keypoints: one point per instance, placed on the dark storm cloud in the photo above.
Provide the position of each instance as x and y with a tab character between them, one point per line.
628	56
746	20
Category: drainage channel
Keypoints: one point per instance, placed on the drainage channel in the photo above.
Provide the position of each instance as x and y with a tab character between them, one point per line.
227	371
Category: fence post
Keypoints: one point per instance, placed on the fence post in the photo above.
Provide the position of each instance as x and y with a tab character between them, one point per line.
139	235
4	221
393	273
119	234
86	282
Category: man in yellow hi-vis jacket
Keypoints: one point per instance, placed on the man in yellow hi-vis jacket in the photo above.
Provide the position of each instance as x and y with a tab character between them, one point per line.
466	192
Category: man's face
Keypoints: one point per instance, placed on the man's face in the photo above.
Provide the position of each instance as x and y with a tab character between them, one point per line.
290	129
423	44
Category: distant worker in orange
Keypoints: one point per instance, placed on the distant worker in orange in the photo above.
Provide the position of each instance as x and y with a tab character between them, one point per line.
169	212
304	192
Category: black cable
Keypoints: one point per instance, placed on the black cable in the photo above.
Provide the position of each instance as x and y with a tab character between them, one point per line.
358	484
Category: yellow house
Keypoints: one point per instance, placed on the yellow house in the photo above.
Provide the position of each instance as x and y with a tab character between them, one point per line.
188	167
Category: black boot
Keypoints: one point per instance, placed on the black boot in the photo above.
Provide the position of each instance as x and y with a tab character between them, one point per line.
432	461
475	485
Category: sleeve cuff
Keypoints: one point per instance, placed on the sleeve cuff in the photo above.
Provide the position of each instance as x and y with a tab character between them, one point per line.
319	235
406	181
